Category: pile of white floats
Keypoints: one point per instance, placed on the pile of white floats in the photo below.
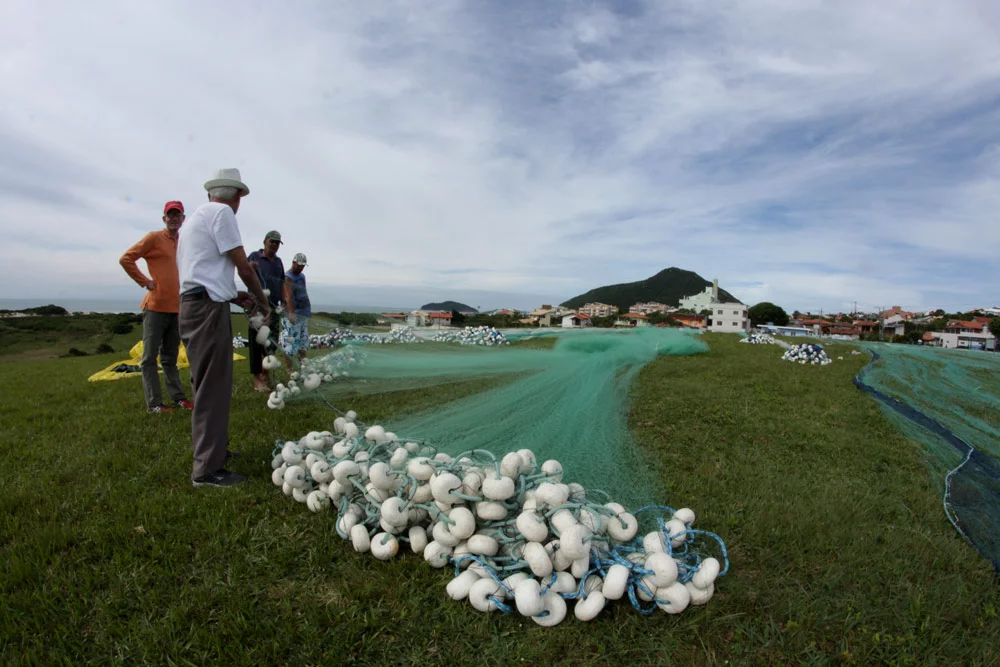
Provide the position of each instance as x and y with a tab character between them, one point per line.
482	335
807	353
338	336
758	339
239	342
402	335
313	373
519	537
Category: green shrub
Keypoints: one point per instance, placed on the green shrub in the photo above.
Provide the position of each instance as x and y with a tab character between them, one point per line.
104	348
74	352
122	323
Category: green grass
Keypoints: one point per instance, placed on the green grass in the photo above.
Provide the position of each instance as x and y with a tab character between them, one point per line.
48	337
840	551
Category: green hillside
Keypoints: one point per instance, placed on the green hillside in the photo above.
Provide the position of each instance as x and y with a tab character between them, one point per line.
449	306
668	286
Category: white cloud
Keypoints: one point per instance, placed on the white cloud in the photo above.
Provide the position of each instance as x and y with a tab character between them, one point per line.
817	153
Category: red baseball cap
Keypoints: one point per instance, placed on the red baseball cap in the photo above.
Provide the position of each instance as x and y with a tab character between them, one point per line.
171	205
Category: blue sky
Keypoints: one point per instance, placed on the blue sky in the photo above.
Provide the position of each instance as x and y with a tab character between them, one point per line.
508	154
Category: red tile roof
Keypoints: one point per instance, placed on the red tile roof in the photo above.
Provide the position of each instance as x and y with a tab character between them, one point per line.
393	315
439	316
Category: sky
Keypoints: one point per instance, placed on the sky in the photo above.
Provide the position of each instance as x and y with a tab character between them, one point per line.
813	154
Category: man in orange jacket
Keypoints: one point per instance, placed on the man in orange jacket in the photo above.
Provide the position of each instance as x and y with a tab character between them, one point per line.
160	335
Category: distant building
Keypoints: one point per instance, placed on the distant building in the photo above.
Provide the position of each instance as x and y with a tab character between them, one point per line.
433	319
633	320
967	340
704	300
729	318
597	310
575	321
546	315
865	326
690	321
647	308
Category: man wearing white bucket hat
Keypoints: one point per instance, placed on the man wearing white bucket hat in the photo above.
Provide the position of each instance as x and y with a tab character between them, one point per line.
209	249
295	325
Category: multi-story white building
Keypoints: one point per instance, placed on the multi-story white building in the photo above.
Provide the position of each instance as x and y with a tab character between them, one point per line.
964	341
647	308
703	300
729	318
597	310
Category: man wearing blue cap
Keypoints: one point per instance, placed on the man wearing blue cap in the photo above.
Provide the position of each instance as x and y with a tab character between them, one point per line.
295	325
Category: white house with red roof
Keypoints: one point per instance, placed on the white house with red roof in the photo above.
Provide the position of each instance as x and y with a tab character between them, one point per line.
576	321
964	335
429	319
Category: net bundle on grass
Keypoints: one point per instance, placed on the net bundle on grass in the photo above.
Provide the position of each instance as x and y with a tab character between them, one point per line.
566	403
949	400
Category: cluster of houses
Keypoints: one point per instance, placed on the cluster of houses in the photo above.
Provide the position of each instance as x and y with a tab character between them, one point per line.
714	315
418	319
971	334
704	311
722	317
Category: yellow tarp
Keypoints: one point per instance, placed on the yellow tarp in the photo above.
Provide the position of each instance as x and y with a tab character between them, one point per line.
130	367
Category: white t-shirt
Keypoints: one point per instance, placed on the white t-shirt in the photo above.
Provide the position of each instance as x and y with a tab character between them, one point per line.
205	238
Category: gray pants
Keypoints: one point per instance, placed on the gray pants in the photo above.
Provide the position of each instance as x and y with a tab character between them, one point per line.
207	333
160	337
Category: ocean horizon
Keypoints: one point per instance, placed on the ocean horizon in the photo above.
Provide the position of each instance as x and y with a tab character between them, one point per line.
132	306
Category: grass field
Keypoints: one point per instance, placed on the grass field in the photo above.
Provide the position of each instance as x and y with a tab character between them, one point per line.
840	550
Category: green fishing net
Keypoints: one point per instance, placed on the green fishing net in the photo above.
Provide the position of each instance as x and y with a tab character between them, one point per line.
949	400
568	402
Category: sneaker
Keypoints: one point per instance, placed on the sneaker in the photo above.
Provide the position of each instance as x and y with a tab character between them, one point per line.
186	404
220	478
159	408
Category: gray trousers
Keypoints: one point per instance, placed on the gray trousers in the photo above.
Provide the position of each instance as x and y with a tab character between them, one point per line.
160	337
207	333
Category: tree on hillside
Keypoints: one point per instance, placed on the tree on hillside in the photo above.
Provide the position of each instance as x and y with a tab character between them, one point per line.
994	326
796	314
846	318
766	312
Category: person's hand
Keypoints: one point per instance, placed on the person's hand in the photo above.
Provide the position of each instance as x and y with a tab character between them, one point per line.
243	300
265	310
151	285
292	318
